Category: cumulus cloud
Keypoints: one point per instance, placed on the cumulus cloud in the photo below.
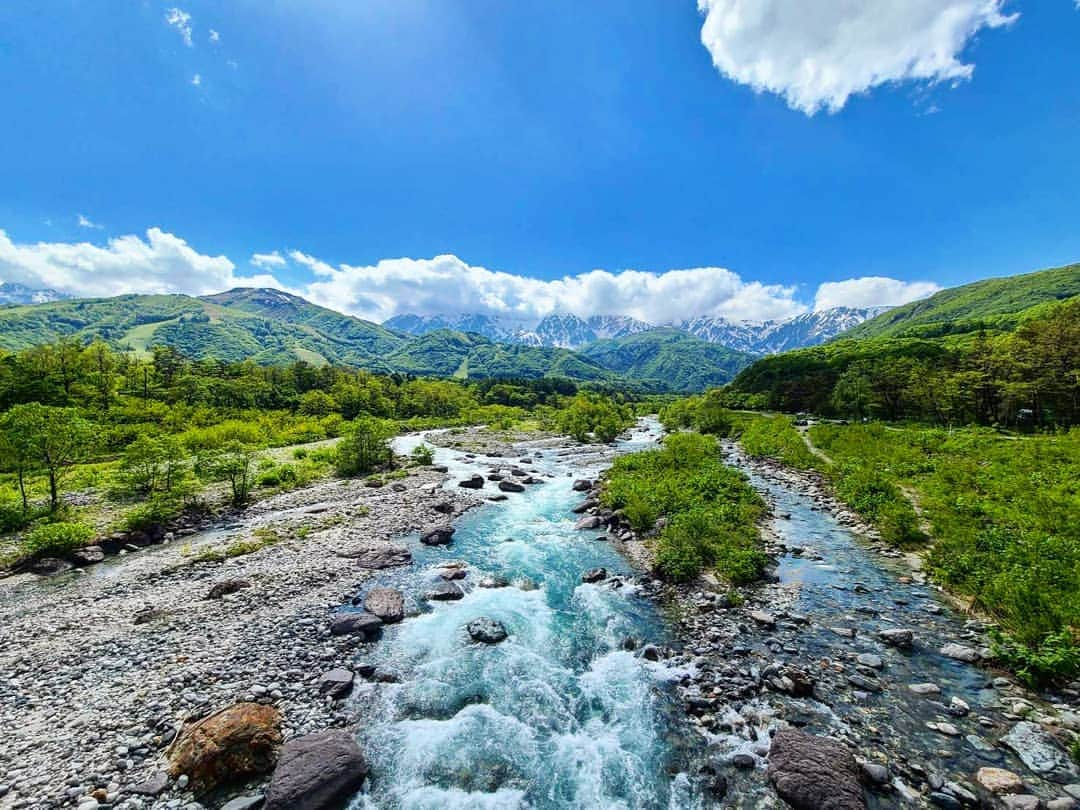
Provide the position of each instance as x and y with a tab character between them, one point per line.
818	54
871	291
196	80
181	21
160	263
446	285
268	260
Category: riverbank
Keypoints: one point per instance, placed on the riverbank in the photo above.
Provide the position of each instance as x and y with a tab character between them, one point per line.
101	667
849	643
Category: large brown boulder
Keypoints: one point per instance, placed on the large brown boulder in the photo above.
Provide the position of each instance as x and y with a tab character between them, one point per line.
814	773
319	771
232	744
386	603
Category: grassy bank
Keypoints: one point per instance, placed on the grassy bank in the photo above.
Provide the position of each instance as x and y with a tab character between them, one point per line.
707	512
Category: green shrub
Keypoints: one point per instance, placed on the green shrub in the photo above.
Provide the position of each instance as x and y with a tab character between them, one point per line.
1055	660
13	517
365	447
51	539
422	455
776	438
159	510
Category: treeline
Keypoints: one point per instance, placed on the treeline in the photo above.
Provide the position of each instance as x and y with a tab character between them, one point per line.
150	434
1028	377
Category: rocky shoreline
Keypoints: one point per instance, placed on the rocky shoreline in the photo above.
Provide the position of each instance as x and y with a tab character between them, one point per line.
102	667
755	666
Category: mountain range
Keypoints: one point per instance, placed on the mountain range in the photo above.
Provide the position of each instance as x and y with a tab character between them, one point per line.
568	331
272	327
12	293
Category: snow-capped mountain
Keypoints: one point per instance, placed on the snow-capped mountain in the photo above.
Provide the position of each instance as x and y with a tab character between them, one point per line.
567	331
572	332
772	337
12	293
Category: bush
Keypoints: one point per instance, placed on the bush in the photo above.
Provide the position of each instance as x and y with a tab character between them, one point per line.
1055	660
422	455
365	447
776	437
13	517
711	509
159	510
53	539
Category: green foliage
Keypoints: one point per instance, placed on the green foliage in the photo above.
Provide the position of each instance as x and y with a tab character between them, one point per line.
51	439
777	438
705	414
159	510
56	539
261	538
366	446
990	304
670	359
710	509
1027	377
422	455
1056	659
1003	513
594	417
234	463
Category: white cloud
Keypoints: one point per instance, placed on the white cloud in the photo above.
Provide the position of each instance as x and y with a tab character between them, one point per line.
871	291
196	80
181	21
446	285
268	260
160	263
818	54
214	36
84	222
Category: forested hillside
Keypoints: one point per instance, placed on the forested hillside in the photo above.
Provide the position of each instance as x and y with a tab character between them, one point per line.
991	304
1030	375
669	359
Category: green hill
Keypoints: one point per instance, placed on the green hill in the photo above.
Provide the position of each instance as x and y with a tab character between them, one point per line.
446	353
670	359
995	304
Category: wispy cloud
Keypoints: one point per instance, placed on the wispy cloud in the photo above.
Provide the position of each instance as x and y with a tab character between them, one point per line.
84	222
267	260
181	21
214	36
817	55
196	80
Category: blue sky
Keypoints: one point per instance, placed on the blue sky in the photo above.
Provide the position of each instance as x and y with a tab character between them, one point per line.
543	140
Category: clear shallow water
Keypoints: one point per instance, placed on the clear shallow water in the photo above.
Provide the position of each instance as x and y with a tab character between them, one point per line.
558	715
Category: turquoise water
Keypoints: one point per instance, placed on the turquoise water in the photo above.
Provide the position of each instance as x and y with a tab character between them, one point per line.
559	714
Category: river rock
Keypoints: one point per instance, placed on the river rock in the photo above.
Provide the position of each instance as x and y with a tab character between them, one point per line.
897	637
386	603
486	630
511	486
154	786
589	522
764	618
378	558
925	688
960	652
90	555
999	780
594	575
814	773
1037	749
475	482
235	743
245	802
49	566
319	771
336	683
437	535
1021	802
870	660
582	485
228	586
355	623
445	592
